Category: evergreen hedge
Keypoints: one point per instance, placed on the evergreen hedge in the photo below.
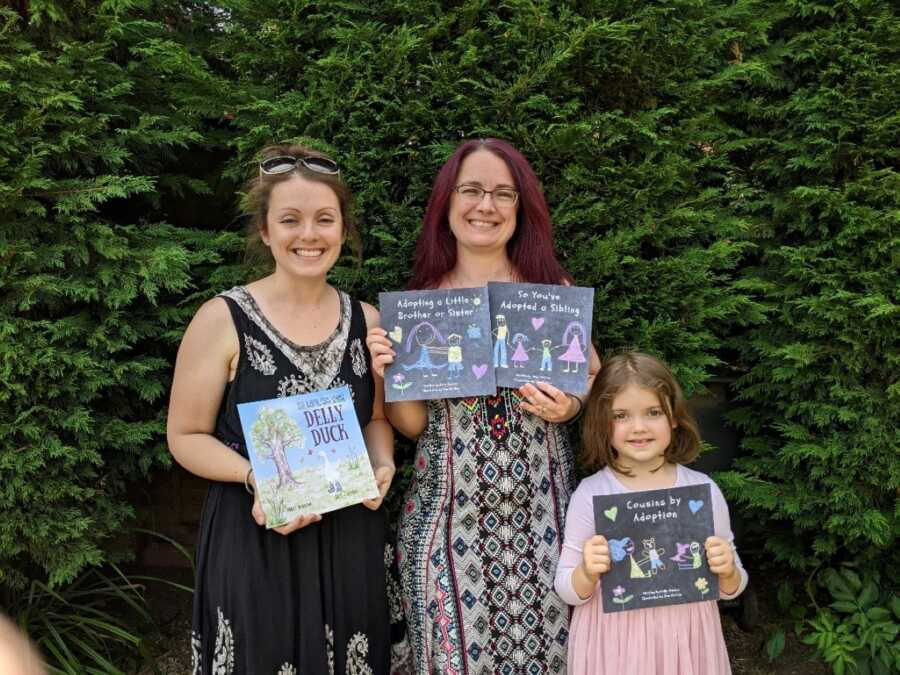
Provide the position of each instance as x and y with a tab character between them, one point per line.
98	105
723	173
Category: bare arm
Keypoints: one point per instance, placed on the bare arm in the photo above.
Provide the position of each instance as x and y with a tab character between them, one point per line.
408	417
208	349
574	582
378	434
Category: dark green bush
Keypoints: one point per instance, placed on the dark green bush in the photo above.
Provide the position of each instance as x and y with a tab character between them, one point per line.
98	107
812	130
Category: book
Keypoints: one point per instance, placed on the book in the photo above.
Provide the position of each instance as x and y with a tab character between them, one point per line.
541	333
308	454
657	547
442	344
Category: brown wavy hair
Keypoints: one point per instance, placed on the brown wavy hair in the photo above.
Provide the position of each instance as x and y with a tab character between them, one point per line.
258	191
645	371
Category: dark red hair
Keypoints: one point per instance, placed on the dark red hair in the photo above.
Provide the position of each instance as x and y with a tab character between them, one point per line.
531	247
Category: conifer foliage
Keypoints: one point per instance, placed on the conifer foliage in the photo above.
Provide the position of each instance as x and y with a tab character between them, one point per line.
808	113
97	103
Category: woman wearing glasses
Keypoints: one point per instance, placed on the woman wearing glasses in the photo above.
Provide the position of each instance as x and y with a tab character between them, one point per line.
310	596
482	524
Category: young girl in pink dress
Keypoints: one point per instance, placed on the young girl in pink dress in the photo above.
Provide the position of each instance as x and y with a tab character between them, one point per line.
638	432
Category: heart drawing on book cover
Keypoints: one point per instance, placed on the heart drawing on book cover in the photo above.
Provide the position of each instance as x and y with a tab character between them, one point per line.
479	370
695	505
611	512
537	322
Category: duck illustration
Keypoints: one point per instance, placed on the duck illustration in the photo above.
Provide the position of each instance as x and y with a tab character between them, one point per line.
332	475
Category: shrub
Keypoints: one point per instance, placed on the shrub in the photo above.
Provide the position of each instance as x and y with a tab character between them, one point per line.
813	135
99	107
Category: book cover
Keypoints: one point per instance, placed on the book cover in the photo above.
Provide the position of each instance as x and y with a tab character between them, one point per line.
442	342
541	333
657	547
307	453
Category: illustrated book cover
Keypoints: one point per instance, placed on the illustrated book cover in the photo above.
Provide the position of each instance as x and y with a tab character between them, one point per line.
541	333
307	453
657	547
442	342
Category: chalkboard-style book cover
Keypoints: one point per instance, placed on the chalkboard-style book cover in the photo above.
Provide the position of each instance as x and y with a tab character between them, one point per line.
657	547
541	333
442	342
307	453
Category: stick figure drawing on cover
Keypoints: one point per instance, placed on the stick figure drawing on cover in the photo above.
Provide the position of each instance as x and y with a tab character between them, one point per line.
454	356
502	338
425	334
520	354
574	335
547	355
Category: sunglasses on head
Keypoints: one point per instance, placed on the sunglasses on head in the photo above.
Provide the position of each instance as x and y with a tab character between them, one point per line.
274	166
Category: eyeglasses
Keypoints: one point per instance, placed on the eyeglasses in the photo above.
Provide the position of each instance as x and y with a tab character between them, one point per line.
274	166
501	196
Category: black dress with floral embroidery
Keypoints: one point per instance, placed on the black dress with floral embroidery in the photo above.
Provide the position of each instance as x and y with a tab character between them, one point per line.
320	600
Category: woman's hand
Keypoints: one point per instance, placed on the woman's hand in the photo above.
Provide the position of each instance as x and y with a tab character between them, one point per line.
380	348
595	557
384	474
300	521
548	402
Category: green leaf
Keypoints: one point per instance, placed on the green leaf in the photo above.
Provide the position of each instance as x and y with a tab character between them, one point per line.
895	606
869	595
878	614
775	644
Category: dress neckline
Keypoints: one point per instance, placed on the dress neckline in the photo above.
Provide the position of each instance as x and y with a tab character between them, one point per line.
251	301
318	365
679	474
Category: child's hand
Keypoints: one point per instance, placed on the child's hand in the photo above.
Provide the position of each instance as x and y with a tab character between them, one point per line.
720	556
380	348
595	556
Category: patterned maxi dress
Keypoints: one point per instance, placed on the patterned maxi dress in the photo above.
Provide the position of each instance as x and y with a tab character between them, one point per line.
315	601
480	537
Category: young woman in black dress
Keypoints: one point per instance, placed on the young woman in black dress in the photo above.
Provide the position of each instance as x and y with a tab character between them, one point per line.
310	596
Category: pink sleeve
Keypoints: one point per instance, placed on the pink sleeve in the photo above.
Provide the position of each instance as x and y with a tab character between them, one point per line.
722	526
579	528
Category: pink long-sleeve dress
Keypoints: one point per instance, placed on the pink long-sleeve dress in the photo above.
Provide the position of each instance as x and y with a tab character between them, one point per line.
670	640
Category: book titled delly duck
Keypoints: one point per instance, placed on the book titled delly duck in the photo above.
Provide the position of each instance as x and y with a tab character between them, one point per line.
308	454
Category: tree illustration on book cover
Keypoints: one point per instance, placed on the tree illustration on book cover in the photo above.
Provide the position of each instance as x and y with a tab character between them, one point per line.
307	453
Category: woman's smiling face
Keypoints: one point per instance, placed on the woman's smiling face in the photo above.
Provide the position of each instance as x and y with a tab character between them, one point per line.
304	228
480	224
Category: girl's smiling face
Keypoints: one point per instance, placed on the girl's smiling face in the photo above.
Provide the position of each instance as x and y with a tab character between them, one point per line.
304	228
641	431
481	224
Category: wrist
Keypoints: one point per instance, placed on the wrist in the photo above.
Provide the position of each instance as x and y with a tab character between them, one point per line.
729	581
577	404
592	578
